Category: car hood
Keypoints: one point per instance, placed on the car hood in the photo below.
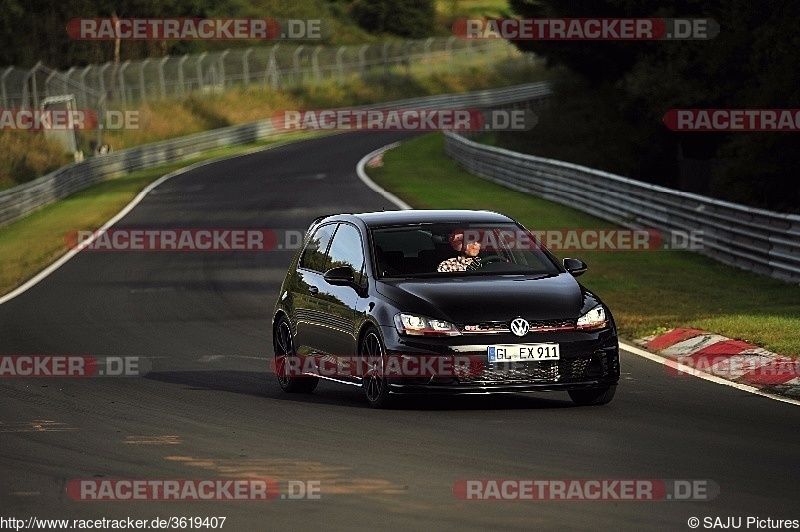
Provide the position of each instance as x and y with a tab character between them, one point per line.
497	298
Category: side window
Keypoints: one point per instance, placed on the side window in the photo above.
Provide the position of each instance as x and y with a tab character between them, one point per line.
314	255
346	250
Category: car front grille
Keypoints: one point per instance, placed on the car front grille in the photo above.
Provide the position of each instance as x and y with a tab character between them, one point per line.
572	369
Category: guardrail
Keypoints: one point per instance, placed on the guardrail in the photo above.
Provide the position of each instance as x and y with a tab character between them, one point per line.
753	239
23	199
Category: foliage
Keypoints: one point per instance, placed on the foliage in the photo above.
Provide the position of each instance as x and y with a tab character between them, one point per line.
35	30
404	18
752	63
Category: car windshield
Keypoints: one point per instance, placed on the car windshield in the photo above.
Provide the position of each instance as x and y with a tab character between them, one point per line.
445	249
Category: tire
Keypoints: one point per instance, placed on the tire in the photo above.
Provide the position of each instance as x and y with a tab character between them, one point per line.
593	396
376	389
283	343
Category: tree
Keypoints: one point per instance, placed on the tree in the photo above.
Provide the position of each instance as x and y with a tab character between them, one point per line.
753	63
404	18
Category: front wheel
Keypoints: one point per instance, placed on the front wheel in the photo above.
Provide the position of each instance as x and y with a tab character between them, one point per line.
376	389
284	350
593	396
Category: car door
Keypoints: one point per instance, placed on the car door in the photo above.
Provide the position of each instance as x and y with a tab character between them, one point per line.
335	331
305	287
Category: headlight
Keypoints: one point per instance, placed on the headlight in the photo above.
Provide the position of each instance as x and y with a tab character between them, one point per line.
413	324
594	319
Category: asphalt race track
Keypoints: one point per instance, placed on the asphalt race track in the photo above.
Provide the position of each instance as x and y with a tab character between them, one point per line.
209	407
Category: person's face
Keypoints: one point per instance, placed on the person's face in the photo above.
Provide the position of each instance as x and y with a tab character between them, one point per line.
473	248
457	241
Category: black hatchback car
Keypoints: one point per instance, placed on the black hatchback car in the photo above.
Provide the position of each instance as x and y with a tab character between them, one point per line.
423	301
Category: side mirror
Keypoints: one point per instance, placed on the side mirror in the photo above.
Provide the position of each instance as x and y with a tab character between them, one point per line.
340	276
575	267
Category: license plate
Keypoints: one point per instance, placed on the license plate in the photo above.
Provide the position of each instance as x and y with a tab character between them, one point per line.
523	352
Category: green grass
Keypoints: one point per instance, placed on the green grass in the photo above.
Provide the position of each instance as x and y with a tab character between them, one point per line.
648	291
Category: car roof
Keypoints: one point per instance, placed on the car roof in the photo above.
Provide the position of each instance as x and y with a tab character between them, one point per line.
413	216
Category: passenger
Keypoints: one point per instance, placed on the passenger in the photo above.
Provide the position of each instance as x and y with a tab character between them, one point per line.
467	258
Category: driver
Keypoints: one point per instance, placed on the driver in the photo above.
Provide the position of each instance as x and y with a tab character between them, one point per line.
467	258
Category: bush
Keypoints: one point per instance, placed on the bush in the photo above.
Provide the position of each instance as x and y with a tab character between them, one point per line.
26	155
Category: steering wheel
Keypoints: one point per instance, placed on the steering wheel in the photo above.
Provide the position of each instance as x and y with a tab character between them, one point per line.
489	259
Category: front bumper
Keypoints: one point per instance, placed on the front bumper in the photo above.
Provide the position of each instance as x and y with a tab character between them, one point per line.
588	360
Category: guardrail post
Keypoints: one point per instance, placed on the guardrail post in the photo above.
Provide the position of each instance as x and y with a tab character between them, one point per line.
47	83
272	71
142	86
221	62
212	77
340	63
35	87
161	80
102	80
315	63
65	79
246	66
200	70
78	89
122	85
181	91
3	86
86	70
26	91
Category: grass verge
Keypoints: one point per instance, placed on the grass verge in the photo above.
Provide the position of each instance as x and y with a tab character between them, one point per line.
648	291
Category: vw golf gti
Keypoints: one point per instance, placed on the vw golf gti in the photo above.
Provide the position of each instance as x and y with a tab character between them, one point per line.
440	302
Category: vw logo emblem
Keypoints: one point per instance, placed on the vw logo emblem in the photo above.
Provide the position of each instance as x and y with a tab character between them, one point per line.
520	327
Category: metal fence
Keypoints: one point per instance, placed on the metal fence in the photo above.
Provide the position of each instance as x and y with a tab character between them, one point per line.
753	239
21	200
280	66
